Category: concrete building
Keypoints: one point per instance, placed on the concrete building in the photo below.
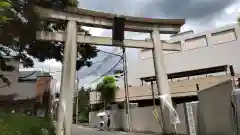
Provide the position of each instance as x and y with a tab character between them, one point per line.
208	50
203	61
27	90
202	50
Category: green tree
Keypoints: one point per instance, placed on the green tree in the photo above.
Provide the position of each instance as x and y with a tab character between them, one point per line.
4	6
19	23
108	89
83	107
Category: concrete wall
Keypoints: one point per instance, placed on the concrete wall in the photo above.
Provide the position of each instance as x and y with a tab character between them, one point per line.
212	114
117	119
182	35
142	119
220	48
216	115
22	90
195	42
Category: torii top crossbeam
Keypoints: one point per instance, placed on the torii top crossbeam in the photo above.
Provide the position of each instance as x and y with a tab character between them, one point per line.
105	20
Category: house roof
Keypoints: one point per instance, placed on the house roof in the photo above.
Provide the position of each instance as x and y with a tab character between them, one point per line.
24	89
31	75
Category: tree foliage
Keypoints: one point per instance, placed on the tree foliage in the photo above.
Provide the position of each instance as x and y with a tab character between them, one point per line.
18	25
4	5
107	88
83	107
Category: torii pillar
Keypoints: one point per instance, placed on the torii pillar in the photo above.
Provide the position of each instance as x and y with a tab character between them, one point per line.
162	80
64	126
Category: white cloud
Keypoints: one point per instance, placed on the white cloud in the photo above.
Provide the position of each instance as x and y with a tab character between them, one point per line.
229	10
94	31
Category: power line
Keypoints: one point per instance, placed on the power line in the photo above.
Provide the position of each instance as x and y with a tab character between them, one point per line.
99	66
106	72
116	54
105	59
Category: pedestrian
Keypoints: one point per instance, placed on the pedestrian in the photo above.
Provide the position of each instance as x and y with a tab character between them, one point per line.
102	121
108	122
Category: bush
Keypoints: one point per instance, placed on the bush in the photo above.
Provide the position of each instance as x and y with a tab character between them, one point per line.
16	124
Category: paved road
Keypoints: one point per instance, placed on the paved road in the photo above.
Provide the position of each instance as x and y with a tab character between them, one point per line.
81	130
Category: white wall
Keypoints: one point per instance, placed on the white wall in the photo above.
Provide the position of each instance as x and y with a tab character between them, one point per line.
216	114
142	119
214	55
22	89
182	35
196	42
223	36
208	49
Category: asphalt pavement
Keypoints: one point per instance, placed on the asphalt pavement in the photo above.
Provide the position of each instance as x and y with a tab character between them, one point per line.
83	130
86	130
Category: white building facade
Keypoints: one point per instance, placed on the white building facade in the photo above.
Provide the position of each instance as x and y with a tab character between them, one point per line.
208	49
219	47
198	51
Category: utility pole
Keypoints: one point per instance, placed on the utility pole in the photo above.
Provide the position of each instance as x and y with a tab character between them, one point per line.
77	99
126	89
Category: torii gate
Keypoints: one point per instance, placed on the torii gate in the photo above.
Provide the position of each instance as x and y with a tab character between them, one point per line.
105	20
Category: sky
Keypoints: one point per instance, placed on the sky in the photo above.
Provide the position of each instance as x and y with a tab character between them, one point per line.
200	15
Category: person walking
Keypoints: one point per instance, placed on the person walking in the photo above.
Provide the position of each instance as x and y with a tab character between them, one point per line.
108	122
102	121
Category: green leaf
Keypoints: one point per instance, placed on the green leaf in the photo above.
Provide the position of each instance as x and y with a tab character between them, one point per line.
107	88
5	4
20	36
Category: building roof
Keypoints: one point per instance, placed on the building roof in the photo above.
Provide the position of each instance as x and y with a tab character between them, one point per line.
31	75
190	73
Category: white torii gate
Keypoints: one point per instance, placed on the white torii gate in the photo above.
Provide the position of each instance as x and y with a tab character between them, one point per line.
105	20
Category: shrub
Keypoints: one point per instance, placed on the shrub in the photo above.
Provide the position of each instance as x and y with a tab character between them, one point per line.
16	124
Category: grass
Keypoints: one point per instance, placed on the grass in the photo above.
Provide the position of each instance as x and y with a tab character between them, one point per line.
16	124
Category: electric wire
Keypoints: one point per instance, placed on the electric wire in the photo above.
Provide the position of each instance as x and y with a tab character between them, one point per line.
116	54
99	66
106	72
105	59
